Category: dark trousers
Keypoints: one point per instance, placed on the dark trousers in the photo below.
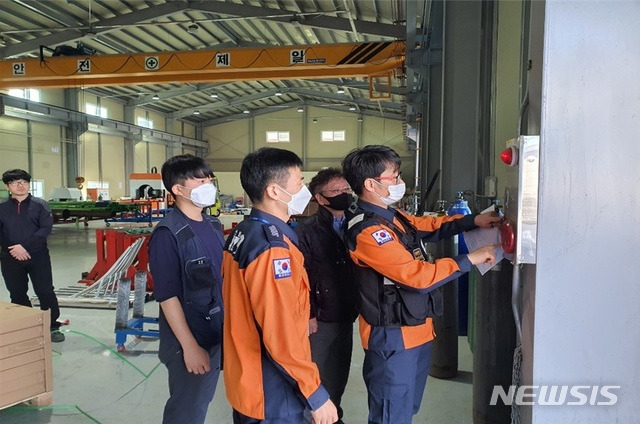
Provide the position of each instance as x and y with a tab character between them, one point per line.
190	394
331	348
16	276
238	418
395	383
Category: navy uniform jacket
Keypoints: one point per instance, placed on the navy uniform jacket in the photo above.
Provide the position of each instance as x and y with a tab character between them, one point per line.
27	223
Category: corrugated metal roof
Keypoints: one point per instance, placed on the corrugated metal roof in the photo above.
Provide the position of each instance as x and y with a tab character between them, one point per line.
134	26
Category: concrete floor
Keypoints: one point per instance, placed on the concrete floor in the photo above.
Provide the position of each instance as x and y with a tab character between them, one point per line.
95	384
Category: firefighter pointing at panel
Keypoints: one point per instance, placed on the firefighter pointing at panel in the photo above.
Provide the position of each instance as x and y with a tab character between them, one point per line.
269	375
396	286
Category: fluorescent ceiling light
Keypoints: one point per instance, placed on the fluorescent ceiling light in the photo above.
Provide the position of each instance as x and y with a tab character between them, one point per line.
192	29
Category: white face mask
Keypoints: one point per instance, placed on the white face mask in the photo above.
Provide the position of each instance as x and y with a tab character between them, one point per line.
396	192
204	195
298	202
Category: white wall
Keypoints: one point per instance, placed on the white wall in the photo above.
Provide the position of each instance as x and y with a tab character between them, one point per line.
229	183
230	142
47	151
587	327
13	144
100	156
507	82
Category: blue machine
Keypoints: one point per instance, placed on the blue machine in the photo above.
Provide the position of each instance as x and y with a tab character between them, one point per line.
135	327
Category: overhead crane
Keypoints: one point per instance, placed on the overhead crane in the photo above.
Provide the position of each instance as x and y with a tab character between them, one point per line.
269	63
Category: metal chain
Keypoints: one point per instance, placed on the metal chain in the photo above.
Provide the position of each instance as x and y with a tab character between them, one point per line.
516	380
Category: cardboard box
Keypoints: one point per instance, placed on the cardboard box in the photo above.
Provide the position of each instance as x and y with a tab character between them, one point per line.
26	372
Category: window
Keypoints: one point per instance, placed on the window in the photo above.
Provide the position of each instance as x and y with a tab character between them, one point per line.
94	110
144	122
278	137
28	93
329	136
98	184
37	188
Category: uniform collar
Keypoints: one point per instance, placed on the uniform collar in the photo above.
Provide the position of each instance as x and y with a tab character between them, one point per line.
267	218
386	213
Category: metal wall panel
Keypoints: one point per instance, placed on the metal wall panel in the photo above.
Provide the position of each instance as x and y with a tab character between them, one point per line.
587	291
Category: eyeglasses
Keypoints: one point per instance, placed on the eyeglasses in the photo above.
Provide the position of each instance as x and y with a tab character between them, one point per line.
394	179
19	182
337	191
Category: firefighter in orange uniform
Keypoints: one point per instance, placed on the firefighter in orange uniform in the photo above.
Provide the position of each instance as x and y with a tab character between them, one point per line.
268	372
396	286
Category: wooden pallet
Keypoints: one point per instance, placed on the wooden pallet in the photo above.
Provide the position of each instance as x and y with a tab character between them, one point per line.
26	372
44	399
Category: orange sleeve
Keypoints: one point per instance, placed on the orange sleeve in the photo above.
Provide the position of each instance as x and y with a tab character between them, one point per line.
378	247
429	223
279	294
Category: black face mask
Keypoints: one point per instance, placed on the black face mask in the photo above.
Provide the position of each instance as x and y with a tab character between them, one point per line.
341	202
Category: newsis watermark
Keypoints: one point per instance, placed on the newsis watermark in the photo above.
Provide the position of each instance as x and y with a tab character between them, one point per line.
555	395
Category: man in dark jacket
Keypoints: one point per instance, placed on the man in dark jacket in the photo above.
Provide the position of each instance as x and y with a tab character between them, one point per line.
326	259
25	223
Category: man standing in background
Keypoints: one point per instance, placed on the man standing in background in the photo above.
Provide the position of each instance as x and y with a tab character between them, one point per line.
333	291
25	224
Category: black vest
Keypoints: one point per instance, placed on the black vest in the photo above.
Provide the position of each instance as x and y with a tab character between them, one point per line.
382	301
201	287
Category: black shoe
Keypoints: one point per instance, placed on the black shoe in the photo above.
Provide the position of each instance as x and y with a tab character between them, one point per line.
57	336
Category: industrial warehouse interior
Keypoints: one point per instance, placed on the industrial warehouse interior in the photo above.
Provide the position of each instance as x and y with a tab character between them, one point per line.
94	383
526	107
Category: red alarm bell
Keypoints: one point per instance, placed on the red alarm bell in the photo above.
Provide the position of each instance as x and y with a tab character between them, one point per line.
508	236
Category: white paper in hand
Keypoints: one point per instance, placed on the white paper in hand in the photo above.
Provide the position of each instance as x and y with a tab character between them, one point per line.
481	237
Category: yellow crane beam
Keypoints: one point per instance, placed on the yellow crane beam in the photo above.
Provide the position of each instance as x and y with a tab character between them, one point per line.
241	64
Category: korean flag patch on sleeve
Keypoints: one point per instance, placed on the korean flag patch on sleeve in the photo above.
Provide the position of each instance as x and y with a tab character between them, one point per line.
282	268
382	236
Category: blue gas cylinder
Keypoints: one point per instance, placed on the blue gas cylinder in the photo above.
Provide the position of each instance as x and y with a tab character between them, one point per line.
461	207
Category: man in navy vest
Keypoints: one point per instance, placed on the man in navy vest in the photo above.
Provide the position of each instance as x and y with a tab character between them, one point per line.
185	255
